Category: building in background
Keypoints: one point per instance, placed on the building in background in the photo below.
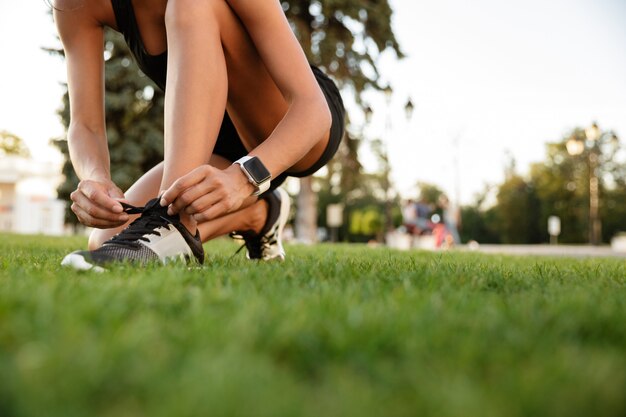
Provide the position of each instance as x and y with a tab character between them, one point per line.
28	203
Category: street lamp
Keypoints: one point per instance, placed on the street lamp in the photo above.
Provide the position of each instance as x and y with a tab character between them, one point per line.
387	180
409	108
576	146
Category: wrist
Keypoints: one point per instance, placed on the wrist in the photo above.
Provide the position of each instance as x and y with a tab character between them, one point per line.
242	183
98	176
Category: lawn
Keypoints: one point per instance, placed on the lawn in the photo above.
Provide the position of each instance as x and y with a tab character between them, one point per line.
334	331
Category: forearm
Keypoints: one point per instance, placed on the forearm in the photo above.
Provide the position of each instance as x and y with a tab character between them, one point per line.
89	153
306	123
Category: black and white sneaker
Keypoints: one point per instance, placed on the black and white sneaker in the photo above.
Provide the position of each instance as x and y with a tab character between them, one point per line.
154	237
268	245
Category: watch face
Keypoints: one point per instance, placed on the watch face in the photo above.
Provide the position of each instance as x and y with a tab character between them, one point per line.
257	170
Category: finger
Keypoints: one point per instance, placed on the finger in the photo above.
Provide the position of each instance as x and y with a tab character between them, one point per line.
88	220
191	195
96	212
211	213
122	200
181	184
115	193
94	192
203	203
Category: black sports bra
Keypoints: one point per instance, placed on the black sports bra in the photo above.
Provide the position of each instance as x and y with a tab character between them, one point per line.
154	66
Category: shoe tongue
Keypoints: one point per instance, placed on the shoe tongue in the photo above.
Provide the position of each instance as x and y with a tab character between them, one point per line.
154	206
152	217
248	234
273	202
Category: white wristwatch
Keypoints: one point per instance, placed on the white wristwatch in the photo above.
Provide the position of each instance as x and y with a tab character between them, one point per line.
257	174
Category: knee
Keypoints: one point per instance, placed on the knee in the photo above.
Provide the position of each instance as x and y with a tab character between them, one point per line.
185	13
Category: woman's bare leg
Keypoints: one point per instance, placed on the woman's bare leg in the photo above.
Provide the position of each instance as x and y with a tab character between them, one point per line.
196	92
213	64
251	216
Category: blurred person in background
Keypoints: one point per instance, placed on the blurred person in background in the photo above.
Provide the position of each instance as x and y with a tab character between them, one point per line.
451	217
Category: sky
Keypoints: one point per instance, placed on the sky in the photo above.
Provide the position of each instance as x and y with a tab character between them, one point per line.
491	80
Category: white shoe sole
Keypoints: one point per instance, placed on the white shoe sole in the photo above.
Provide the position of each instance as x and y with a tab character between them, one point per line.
79	263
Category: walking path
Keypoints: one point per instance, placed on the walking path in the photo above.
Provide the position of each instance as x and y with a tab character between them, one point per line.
573	251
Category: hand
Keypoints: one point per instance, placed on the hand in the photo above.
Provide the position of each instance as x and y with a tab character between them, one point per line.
97	204
208	192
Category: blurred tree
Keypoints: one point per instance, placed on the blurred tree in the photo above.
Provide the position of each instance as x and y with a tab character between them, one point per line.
559	186
613	211
367	196
517	212
560	195
429	193
358	191
562	185
344	38
11	144
479	219
478	225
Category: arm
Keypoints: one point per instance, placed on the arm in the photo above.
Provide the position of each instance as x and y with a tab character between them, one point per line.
308	117
82	38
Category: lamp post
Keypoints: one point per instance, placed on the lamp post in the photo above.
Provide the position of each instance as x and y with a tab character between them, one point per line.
387	181
591	142
409	109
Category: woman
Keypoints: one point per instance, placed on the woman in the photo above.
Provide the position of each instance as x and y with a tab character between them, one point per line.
243	109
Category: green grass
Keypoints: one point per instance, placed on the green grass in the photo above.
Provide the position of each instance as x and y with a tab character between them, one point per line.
334	331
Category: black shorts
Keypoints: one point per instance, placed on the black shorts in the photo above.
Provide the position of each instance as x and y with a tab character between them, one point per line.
229	143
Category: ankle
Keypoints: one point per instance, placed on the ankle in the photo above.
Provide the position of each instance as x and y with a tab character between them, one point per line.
189	222
259	216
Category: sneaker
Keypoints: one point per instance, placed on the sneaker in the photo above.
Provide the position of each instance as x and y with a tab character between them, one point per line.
268	244
154	237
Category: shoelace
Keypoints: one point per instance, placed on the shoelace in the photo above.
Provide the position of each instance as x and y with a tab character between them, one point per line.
151	219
